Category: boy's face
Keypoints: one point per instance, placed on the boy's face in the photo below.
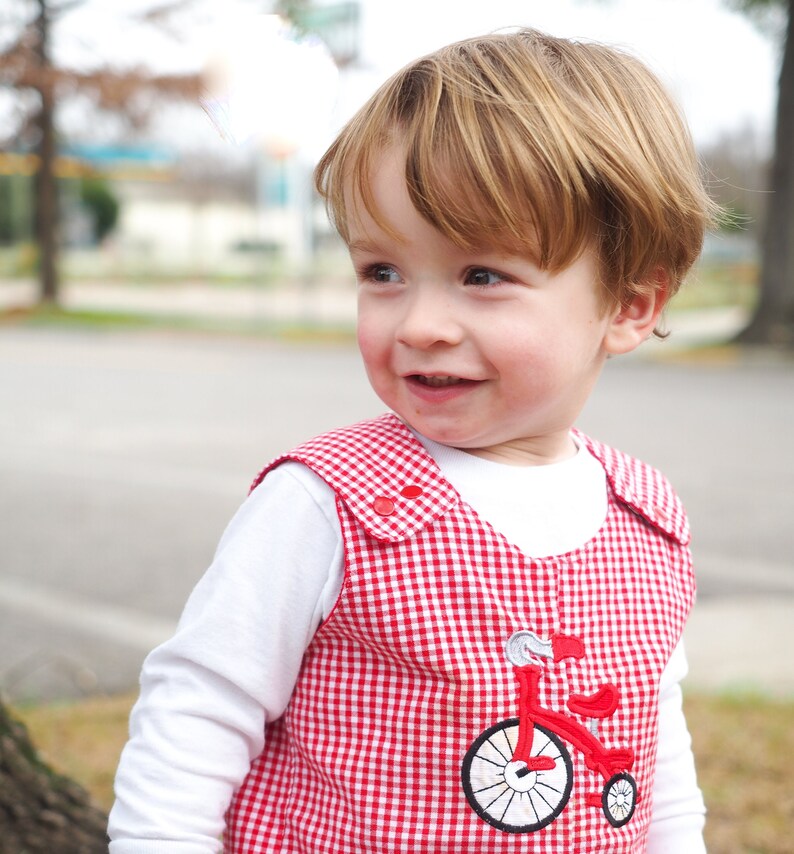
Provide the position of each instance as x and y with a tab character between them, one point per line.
475	350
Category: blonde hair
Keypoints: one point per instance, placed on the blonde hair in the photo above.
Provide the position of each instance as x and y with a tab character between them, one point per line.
535	146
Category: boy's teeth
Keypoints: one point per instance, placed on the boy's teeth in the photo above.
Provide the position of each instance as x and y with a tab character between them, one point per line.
437	382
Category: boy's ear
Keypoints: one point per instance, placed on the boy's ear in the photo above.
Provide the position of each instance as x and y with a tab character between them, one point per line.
631	324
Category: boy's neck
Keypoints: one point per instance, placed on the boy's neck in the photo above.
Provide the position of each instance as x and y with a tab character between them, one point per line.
529	452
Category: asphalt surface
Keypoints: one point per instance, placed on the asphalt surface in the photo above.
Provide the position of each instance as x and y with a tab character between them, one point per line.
124	454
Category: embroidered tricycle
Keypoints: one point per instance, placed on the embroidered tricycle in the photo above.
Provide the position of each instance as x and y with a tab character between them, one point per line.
518	775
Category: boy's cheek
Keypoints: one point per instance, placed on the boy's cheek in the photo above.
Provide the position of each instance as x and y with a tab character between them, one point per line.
364	339
371	335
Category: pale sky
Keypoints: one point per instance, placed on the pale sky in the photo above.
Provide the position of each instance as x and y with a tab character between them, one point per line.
718	65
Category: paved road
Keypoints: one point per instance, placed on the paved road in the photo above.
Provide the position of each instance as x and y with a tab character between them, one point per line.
122	456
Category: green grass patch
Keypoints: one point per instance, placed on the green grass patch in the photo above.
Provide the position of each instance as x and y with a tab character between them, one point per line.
55	316
46	315
743	748
718	285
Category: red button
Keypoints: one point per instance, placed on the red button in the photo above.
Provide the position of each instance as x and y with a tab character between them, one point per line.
383	506
411	492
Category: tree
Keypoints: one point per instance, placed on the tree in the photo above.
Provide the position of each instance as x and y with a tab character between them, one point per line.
773	319
27	66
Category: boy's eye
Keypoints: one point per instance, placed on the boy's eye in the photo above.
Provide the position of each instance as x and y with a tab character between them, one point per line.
482	277
382	273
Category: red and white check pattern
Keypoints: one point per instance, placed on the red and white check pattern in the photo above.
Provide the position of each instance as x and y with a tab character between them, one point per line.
410	667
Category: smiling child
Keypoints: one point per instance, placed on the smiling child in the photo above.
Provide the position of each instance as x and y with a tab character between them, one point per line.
457	627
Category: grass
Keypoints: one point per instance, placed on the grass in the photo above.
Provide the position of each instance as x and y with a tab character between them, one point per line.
743	746
81	739
46	315
717	285
114	320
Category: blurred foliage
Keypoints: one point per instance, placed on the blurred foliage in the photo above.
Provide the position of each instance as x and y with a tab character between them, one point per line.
16	218
736	165
293	10
718	284
102	204
768	15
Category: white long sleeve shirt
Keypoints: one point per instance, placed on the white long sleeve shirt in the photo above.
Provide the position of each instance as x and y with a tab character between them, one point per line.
208	693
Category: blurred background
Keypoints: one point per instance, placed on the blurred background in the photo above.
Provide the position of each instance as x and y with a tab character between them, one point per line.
175	309
155	143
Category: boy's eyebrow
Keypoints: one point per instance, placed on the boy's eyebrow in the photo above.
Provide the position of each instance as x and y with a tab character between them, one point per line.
364	246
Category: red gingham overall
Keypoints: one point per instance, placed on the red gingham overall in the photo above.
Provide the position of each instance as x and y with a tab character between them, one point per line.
409	670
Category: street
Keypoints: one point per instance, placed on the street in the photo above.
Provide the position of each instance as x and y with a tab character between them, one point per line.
124	454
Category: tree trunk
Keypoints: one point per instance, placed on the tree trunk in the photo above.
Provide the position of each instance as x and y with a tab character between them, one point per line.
41	811
773	320
46	187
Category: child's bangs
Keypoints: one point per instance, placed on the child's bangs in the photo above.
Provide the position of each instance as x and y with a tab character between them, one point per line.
482	186
478	173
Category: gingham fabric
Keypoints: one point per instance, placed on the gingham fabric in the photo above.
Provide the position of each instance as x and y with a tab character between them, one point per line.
410	667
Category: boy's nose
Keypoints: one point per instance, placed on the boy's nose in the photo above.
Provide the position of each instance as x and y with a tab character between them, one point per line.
428	319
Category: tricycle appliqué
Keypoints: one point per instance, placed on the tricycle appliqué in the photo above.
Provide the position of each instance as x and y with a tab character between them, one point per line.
518	775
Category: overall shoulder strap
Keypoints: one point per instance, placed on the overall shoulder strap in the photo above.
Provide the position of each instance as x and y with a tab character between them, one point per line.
642	488
381	472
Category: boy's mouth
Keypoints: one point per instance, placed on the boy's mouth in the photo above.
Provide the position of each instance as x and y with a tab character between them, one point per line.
436	382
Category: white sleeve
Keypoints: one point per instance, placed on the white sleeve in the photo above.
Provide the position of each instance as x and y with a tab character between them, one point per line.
207	693
678	809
